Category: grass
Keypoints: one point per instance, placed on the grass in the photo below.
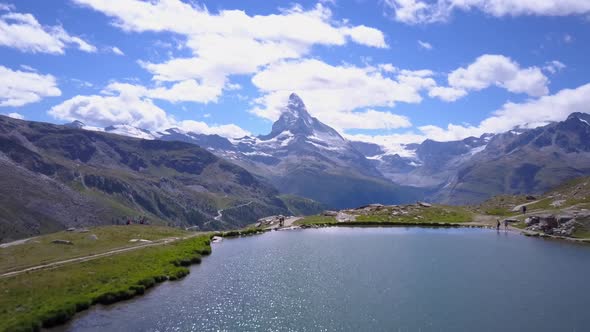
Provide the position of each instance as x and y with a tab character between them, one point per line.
316	220
434	214
40	250
49	297
416	215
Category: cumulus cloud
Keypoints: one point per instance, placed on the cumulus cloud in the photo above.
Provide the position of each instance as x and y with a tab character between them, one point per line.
499	70
123	103
333	93
448	94
431	11
232	42
495	70
529	114
23	32
18	88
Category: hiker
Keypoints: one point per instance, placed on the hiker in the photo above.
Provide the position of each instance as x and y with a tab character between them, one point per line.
505	224
498	224
524	209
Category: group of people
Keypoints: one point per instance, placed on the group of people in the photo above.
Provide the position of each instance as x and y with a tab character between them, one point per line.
505	224
523	209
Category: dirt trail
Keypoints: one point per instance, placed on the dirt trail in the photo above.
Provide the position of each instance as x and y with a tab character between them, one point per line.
96	256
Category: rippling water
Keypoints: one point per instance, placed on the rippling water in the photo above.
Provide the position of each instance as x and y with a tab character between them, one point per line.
378	279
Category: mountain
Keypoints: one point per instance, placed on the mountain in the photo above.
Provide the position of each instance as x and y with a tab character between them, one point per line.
305	157
54	177
521	161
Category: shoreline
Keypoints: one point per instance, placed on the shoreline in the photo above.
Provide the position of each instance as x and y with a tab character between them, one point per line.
512	229
61	316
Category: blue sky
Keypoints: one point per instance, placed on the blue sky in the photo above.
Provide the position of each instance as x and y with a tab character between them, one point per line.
386	71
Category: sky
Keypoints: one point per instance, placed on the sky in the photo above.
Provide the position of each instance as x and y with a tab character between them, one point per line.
384	71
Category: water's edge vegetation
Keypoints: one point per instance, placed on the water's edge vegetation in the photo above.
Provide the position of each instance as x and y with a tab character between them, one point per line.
46	298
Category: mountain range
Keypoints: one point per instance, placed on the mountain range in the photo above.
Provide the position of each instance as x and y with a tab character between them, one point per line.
61	176
303	156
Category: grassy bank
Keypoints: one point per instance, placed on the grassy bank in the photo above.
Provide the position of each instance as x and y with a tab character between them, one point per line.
398	215
41	250
388	223
49	297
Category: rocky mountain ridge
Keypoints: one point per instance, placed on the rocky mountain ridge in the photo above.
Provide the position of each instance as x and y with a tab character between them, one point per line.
303	156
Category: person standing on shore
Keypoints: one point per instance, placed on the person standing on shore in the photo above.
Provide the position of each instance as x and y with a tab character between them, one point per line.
505	225
524	209
498	224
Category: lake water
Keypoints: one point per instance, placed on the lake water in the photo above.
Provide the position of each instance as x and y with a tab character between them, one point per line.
368	279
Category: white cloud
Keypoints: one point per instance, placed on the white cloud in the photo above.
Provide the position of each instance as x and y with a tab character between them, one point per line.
117	51
125	107
529	114
18	88
430	11
425	45
25	33
123	103
332	93
15	115
232	42
199	127
554	66
500	71
447	93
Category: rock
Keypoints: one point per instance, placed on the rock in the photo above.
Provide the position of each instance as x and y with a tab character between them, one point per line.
93	237
62	242
531	198
548	222
216	239
564	218
510	220
71	229
423	204
330	213
532	220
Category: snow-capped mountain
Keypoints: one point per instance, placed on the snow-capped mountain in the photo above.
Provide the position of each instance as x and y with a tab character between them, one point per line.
303	156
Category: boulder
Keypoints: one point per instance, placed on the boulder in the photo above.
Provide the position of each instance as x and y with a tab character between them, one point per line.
548	222
531	198
330	213
62	242
510	220
71	229
92	237
424	204
532	220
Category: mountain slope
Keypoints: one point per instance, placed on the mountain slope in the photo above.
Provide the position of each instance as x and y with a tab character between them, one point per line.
532	161
55	177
